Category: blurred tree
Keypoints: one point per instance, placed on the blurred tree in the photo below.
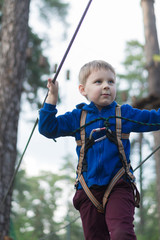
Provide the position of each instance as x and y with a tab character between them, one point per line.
35	204
37	201
37	67
134	76
13	48
153	68
74	229
134	79
151	229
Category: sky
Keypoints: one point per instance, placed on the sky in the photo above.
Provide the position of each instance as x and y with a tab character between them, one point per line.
103	35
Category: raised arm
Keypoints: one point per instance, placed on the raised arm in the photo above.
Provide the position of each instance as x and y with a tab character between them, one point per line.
52	97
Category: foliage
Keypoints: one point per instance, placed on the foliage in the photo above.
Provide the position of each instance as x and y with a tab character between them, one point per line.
135	74
49	8
74	230
38	67
136	86
150	231
36	204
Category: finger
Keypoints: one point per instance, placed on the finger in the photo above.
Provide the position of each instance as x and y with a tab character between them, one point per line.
49	82
56	84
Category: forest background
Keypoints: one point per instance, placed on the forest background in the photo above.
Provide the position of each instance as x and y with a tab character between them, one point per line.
46	155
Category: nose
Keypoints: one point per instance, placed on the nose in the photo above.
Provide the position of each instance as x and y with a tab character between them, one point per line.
105	85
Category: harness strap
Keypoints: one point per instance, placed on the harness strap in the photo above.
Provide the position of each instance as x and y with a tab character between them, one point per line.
80	177
82	133
125	169
119	174
121	150
96	203
120	144
124	136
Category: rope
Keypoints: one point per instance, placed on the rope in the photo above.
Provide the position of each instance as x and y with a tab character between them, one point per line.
107	124
70	44
52	233
72	40
155	150
17	168
134	121
54	79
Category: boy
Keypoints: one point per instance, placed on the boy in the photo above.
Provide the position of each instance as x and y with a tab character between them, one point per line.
102	160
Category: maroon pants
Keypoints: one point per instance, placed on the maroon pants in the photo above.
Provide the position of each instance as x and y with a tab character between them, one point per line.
117	222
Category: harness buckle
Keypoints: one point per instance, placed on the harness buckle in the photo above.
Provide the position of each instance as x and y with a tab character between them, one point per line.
76	183
97	130
131	179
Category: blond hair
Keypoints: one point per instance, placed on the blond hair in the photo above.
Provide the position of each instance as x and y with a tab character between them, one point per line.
87	69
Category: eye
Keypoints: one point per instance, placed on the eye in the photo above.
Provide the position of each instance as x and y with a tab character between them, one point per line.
111	81
98	81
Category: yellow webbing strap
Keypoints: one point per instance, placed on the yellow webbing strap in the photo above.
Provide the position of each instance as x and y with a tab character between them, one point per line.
114	180
82	134
100	207
80	177
124	136
120	144
121	150
123	170
90	195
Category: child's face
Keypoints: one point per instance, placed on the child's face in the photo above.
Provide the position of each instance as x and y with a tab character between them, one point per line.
100	88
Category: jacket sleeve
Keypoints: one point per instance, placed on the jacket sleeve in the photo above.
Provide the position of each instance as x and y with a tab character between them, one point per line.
51	126
146	117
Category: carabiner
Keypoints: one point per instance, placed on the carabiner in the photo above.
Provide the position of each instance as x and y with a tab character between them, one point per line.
96	130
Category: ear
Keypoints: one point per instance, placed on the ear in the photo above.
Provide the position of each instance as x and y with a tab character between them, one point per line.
82	90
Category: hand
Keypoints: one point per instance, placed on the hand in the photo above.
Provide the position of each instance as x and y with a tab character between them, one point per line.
52	97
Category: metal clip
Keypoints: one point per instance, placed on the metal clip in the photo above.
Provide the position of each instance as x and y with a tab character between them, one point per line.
76	183
97	130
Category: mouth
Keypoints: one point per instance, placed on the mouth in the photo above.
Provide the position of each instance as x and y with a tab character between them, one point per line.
106	94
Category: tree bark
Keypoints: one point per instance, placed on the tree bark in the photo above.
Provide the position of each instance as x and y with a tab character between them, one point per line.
157	158
152	48
141	211
14	35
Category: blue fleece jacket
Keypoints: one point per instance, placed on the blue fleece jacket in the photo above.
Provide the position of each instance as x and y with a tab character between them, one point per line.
102	158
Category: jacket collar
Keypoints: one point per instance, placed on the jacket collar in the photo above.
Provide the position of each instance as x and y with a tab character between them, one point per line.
92	108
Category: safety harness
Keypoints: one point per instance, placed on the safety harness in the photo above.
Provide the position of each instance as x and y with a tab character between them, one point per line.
124	171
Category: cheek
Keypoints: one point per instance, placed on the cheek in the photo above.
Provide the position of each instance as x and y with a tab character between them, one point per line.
114	92
93	94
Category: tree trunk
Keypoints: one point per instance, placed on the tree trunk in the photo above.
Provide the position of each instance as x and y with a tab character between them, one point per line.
152	48
12	67
157	158
141	211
